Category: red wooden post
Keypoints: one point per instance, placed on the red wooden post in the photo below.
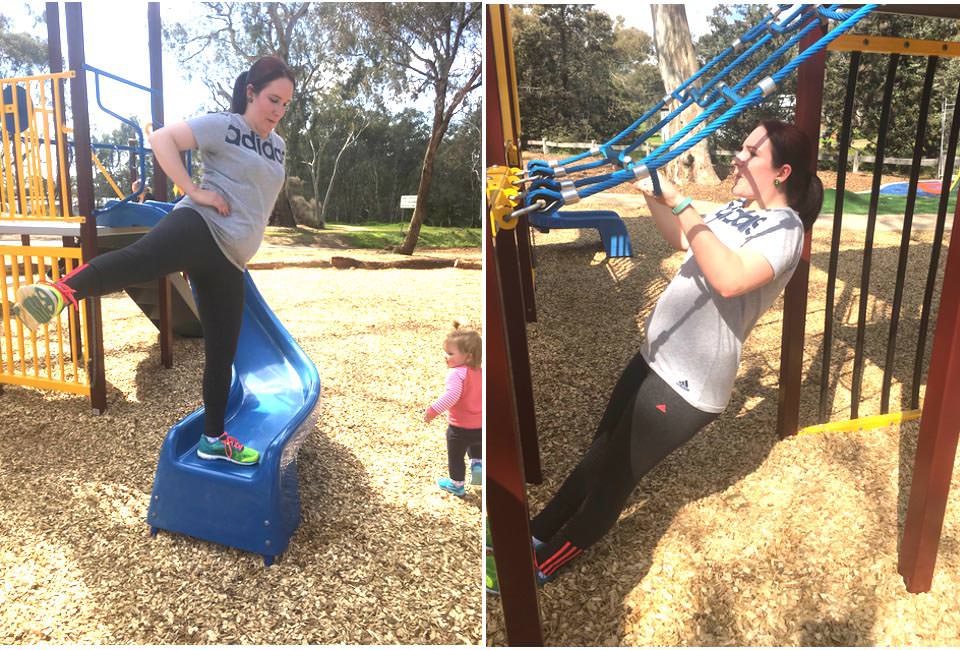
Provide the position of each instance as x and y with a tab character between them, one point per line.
507	513
809	104
939	429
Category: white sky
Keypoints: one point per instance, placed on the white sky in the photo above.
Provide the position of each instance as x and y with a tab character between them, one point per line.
115	40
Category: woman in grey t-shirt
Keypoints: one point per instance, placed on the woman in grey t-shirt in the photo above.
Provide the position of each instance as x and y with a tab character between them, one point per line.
211	234
739	259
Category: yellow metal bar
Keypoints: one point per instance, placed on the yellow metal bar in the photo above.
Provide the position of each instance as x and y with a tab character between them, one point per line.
502	197
61	129
894	45
51	384
501	33
863	424
106	174
67	74
47	136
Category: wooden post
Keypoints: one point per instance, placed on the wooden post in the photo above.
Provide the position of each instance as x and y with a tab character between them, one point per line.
809	104
85	205
506	479
155	46
939	429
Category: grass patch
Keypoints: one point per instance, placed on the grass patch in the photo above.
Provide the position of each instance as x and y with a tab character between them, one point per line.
378	235
854	203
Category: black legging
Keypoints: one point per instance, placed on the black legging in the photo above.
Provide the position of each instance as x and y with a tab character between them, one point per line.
181	241
644	421
460	441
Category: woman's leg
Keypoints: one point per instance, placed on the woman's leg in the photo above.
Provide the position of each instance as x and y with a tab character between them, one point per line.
587	472
623	393
661	422
577	485
219	286
179	242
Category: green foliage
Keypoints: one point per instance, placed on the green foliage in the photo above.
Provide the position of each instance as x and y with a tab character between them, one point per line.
576	71
20	54
342	84
579	75
907	88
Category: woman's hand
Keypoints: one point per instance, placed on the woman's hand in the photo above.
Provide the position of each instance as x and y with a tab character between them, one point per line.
670	195
213	199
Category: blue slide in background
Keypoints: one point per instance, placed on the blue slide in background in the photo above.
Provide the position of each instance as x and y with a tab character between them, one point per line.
274	392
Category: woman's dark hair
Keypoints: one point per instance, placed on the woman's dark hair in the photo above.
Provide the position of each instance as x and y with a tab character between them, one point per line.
262	72
791	146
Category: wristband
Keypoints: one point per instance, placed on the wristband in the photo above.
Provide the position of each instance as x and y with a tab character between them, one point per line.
683	205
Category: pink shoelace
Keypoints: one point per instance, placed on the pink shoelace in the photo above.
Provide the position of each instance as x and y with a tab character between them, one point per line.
230	444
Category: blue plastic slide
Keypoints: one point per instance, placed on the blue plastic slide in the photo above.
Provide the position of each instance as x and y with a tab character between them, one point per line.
274	392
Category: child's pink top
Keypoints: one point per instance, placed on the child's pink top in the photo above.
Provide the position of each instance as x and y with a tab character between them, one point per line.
463	398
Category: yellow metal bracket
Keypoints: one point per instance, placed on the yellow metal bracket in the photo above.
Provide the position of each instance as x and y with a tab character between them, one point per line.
863	424
894	45
502	196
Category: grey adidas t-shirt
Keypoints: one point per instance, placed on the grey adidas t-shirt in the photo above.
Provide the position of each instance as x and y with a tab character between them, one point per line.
247	171
695	335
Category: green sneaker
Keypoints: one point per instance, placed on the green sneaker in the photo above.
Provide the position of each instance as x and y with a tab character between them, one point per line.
227	448
492	584
37	304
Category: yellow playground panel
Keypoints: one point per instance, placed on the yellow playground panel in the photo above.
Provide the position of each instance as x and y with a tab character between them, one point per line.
49	357
34	177
33	160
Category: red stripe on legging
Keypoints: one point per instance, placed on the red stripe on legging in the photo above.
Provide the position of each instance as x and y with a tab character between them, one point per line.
566	553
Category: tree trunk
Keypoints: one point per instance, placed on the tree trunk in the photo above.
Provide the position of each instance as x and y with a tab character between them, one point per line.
351	138
282	214
423	191
678	62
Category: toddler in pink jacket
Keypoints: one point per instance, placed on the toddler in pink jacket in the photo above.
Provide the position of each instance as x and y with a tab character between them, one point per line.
463	402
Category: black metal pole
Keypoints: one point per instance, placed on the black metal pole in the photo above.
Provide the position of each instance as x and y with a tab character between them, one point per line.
905	237
844	146
871	227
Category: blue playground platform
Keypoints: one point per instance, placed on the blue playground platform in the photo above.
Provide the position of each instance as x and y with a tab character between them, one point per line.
274	392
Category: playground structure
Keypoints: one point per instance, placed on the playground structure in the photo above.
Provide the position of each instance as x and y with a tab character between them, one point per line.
275	385
512	441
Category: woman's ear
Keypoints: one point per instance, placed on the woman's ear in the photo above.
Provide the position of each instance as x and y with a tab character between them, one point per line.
784	173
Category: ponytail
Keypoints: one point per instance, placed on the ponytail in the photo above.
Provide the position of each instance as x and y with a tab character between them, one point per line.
238	102
261	73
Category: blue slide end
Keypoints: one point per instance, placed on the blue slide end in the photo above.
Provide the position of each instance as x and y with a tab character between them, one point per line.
274	392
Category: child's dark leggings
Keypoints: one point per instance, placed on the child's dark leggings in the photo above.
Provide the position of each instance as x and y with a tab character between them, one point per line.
644	421
181	241
460	441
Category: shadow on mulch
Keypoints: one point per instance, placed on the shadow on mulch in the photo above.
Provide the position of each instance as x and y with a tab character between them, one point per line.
75	489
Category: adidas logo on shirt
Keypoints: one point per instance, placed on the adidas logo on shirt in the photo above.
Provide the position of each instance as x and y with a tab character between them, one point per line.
683	384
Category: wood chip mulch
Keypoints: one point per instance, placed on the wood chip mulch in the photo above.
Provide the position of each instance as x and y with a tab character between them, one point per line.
382	556
739	538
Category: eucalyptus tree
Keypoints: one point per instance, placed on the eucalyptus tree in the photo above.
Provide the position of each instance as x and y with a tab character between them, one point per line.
424	48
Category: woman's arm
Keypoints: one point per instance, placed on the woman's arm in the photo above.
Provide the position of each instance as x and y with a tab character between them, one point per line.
664	218
167	143
730	272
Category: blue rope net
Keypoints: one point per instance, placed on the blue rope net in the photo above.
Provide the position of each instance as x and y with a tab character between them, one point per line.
549	194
